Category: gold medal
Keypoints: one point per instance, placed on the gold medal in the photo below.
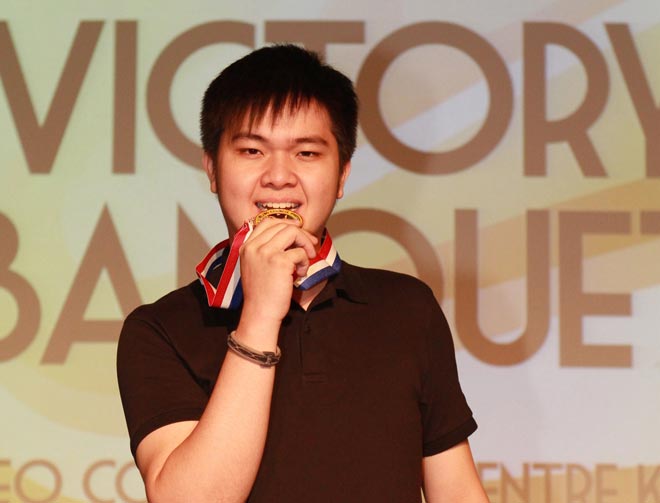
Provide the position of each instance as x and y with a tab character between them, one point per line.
276	213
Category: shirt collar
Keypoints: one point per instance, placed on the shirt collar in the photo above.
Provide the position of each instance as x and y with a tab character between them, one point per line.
347	284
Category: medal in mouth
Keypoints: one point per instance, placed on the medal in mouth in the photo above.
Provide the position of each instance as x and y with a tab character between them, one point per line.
276	213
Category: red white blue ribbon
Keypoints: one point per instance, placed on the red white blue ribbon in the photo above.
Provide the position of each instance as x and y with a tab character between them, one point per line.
325	265
228	293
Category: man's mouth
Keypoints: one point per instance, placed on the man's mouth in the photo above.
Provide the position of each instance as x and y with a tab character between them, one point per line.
277	206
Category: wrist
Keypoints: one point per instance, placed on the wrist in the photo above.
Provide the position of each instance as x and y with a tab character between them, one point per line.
265	359
258	333
257	316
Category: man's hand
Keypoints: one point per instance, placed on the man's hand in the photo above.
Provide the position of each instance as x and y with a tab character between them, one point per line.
276	250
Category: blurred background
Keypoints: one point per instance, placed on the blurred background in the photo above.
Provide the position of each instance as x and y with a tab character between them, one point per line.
509	155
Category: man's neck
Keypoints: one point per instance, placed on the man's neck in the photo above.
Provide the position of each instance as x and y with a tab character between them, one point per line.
305	297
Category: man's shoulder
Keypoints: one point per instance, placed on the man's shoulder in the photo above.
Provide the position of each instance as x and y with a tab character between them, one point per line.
383	282
182	317
184	301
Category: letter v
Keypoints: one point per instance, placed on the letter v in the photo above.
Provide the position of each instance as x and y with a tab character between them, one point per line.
42	141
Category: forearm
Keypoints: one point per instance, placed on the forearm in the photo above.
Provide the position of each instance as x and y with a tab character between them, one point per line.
452	476
219	459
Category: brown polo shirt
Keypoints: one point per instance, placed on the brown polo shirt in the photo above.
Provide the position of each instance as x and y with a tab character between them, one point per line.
366	386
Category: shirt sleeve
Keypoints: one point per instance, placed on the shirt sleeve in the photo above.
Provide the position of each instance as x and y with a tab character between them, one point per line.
446	417
155	385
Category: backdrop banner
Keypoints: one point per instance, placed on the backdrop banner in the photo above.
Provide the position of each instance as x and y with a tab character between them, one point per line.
509	156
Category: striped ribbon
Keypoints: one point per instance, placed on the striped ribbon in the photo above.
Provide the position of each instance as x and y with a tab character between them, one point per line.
228	293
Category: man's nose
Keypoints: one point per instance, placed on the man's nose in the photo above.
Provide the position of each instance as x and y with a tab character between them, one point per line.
279	171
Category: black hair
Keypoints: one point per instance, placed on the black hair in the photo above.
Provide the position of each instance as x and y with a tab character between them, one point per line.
271	79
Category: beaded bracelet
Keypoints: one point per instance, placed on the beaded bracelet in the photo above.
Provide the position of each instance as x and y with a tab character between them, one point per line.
263	358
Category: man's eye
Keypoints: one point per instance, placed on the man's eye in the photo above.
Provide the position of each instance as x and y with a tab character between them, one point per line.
307	154
250	151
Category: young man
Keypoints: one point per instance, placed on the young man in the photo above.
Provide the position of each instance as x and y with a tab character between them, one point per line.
286	375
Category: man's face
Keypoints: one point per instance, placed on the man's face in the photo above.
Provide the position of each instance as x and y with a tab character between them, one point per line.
291	163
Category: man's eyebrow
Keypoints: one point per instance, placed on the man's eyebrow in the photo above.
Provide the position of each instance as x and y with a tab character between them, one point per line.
311	139
246	135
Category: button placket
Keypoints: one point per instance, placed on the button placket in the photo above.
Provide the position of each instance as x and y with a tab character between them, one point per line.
313	358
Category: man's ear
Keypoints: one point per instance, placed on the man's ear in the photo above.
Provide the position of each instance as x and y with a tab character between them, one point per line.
209	167
342	179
